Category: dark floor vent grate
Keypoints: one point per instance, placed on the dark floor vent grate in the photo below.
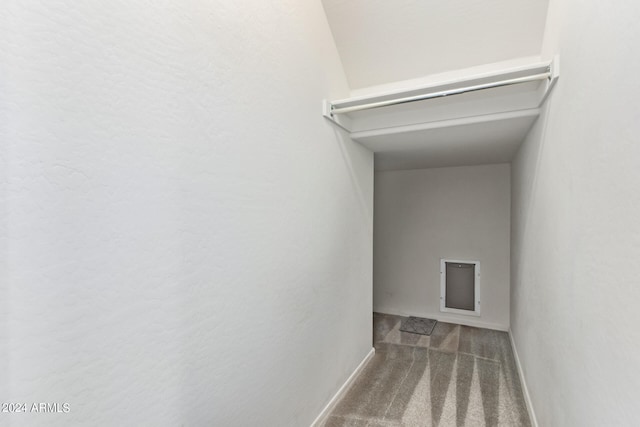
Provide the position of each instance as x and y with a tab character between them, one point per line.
418	325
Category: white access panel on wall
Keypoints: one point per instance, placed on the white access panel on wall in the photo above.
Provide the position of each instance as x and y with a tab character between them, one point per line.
460	287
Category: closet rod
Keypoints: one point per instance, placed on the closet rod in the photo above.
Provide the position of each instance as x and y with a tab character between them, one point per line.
344	110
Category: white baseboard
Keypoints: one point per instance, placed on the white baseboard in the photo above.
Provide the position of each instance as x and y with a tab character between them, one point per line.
525	390
343	390
458	320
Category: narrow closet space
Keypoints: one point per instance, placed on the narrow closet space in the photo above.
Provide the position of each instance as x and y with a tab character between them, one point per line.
441	265
442	187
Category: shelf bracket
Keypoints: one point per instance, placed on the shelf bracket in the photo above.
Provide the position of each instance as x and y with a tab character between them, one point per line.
327	108
554	75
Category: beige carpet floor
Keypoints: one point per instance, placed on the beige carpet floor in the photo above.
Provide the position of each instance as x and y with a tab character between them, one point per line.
458	376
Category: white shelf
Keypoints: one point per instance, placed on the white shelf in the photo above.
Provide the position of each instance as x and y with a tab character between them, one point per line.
480	126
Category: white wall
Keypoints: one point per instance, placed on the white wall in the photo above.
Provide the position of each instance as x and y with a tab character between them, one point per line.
384	41
575	228
424	215
185	240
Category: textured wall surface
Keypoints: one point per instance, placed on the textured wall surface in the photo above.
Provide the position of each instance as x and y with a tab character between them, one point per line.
575	228
386	41
424	215
184	239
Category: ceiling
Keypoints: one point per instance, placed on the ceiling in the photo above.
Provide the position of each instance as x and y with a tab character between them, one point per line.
475	143
383	41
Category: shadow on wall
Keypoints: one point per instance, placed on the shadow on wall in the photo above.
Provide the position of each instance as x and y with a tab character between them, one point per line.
533	147
349	149
533	144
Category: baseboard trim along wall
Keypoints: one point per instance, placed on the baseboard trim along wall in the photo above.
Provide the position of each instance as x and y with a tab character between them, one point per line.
471	321
525	390
343	390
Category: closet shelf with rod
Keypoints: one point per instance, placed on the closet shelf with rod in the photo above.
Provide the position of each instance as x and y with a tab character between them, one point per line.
495	110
